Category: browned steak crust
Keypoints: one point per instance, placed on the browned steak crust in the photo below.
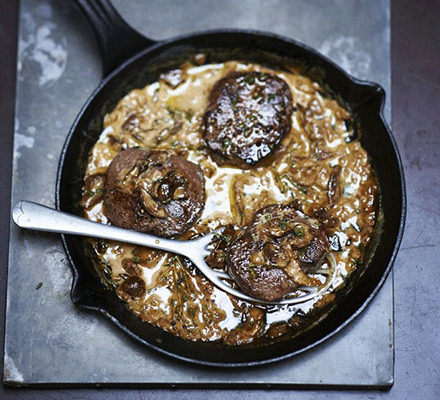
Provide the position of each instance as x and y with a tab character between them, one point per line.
247	116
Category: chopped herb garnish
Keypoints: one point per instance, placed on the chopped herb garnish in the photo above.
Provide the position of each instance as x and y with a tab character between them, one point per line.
192	312
107	271
303	189
250	79
252	270
298	230
226	238
189	114
316	147
283	225
226	143
114	284
173	259
170	110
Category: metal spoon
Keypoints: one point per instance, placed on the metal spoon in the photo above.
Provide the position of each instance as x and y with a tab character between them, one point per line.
35	216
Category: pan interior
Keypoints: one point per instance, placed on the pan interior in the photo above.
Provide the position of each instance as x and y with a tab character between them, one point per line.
365	99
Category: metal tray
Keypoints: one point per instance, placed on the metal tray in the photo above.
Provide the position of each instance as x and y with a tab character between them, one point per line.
63	346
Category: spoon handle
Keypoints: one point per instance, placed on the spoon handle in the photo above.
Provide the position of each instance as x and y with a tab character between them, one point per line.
35	216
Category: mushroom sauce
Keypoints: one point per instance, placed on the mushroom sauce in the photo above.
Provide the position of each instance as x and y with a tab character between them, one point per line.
319	165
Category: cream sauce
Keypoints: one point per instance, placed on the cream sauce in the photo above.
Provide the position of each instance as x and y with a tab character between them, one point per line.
169	114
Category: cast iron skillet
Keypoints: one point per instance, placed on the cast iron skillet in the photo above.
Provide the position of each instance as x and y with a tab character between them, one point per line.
131	61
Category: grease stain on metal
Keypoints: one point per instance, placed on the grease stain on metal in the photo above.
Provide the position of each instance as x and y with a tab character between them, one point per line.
41	45
11	373
348	53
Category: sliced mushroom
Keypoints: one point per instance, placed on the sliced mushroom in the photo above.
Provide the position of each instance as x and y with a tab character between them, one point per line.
276	252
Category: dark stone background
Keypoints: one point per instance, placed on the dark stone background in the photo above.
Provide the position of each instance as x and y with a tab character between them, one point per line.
415	34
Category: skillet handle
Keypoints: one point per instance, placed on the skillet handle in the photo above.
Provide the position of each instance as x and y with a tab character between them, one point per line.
117	40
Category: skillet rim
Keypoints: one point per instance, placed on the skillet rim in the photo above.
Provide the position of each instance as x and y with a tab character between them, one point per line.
374	91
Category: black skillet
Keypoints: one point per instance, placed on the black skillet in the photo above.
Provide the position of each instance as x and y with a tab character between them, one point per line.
132	61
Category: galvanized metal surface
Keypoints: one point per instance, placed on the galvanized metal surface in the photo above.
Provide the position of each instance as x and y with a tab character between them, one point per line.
49	341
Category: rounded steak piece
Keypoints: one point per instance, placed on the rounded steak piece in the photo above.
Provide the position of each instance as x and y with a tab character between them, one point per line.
155	192
276	252
247	116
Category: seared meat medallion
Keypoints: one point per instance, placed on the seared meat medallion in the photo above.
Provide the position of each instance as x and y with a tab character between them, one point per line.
156	192
276	252
247	116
